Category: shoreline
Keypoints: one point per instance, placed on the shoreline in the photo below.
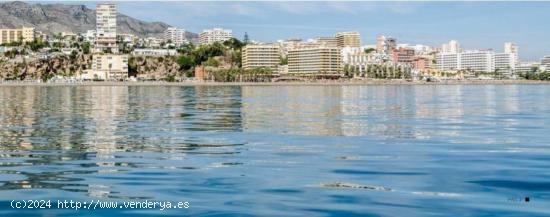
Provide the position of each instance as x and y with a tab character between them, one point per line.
314	83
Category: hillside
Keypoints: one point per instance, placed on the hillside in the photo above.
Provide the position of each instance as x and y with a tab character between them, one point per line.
54	18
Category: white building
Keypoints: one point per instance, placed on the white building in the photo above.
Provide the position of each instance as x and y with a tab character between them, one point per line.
150	42
510	47
175	36
448	61
505	62
452	47
474	60
545	62
127	38
527	67
453	58
90	36
419	49
477	61
209	36
106	28
154	52
356	58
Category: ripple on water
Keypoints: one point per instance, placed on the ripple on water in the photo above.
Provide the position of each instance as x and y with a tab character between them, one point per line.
347	185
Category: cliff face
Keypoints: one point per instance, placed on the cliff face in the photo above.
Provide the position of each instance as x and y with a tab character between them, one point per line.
54	18
39	69
154	67
143	67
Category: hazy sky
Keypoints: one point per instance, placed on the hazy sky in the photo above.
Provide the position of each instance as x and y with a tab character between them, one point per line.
474	24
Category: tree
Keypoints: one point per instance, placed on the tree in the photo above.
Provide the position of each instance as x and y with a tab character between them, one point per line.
246	40
283	61
37	44
211	62
186	62
86	47
234	44
369	50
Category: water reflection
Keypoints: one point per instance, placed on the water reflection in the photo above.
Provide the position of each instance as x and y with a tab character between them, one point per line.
279	143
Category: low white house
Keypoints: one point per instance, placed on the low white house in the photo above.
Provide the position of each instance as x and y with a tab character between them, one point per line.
154	52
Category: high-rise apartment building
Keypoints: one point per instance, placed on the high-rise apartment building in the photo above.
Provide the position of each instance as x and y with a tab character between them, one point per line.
106	63
452	47
315	60
106	28
16	35
510	47
385	44
261	56
175	35
348	39
209	36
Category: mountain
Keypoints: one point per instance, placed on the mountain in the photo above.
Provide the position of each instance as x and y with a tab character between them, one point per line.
54	18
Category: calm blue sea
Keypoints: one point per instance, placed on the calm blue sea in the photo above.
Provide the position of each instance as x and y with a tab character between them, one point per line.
394	150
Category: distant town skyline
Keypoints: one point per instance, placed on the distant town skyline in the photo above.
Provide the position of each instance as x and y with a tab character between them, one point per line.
476	25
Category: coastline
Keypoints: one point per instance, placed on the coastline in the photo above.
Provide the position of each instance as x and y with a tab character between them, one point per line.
313	83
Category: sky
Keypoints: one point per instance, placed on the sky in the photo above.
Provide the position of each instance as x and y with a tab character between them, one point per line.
476	25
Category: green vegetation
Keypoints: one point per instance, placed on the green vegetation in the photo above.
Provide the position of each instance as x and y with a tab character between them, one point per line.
37	44
86	47
369	50
283	61
542	76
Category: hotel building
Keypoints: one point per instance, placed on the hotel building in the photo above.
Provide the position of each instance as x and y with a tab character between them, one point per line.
261	56
106	28
477	61
15	35
315	60
448	61
175	35
209	36
348	39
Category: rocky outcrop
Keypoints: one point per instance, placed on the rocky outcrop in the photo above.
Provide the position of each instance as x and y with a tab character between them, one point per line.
154	67
34	69
67	65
